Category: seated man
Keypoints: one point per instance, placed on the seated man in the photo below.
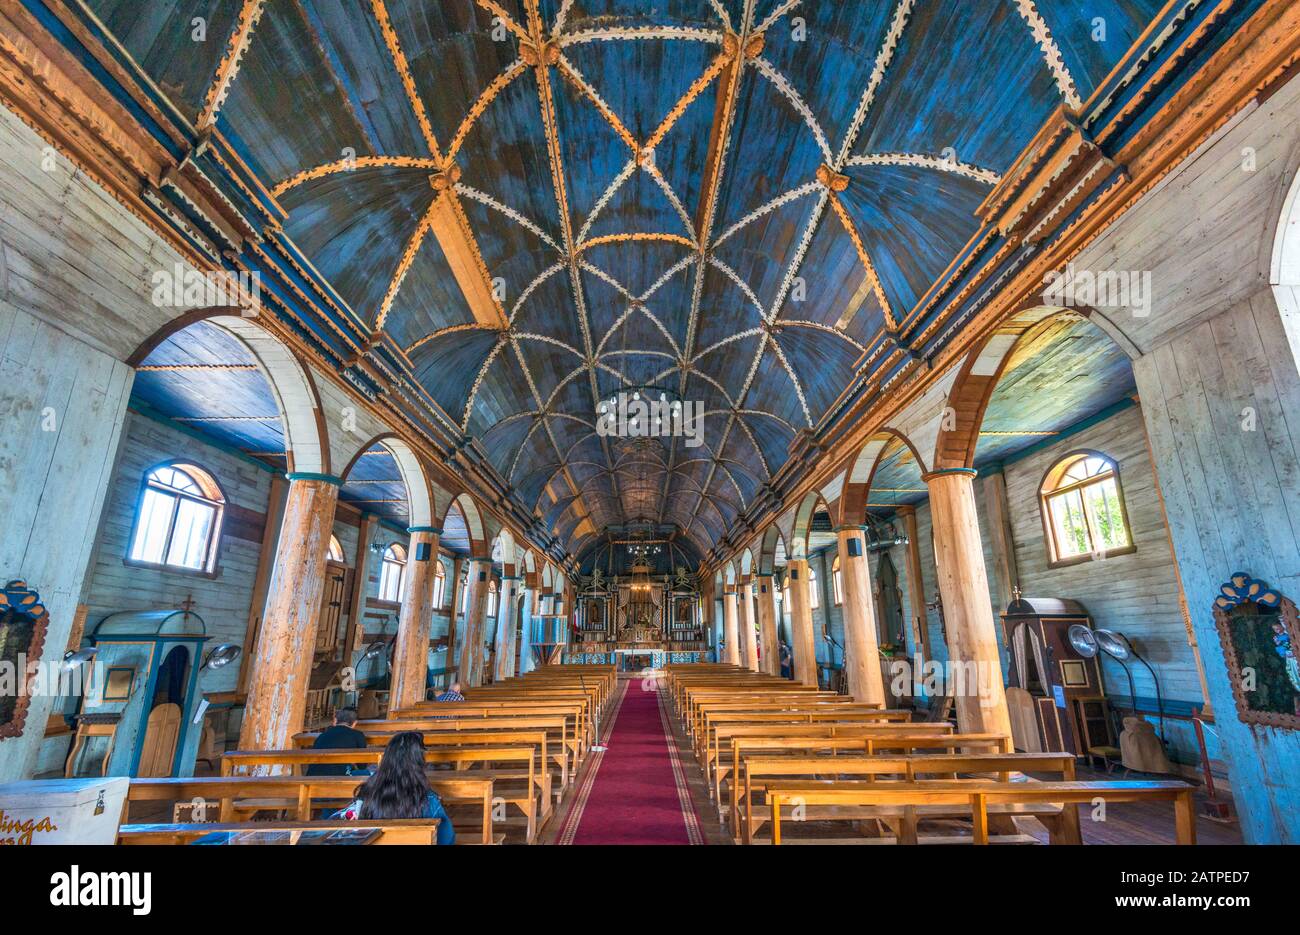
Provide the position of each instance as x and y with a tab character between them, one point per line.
341	736
451	694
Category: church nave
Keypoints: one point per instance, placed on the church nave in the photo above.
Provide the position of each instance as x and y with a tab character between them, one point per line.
654	422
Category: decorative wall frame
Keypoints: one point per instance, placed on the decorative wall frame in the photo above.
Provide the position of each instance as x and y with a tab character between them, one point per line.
1259	630
117	683
24	622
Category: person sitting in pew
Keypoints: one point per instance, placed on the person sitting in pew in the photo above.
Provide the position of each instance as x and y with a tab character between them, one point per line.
340	736
399	788
451	694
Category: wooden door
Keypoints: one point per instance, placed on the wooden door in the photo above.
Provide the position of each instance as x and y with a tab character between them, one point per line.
159	747
331	608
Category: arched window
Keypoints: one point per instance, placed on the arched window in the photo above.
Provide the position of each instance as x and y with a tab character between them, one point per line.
837	582
492	600
335	553
439	585
178	520
1083	509
814	597
390	573
464	592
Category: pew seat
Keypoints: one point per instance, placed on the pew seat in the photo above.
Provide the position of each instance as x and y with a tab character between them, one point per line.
976	797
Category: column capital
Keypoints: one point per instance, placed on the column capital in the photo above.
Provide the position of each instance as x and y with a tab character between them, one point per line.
945	472
308	475
849	528
436	530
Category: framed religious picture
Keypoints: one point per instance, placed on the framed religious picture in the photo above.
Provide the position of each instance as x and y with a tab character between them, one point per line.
1260	634
23	625
117	683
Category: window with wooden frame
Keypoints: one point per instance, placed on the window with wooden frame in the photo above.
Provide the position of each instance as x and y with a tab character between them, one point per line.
814	597
492	600
391	571
837	582
439	586
464	593
1083	510
335	553
178	519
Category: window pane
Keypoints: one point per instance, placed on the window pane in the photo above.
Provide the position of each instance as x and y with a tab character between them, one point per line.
1069	524
191	535
151	530
390	581
1102	501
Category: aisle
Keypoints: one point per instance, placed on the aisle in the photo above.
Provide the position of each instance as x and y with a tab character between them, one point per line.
635	792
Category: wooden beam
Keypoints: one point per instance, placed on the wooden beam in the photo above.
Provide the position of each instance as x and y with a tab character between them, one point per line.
360	575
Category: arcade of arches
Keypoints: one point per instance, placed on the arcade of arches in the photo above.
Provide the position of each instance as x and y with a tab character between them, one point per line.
913	381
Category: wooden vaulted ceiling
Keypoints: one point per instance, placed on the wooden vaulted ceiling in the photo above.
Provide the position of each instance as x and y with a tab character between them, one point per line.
539	202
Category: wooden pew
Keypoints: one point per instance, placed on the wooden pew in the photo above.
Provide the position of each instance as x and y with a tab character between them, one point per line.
240	797
573	709
405	831
977	795
710	717
848	741
529	797
562	745
757	771
476	786
868	726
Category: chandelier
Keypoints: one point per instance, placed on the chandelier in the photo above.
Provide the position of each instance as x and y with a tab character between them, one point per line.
643	550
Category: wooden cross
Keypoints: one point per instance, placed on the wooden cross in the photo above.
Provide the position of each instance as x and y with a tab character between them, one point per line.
188	603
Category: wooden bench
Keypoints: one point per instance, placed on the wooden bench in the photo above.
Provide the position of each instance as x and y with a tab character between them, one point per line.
563	745
720	735
238	798
405	831
849	742
976	796
468	742
757	771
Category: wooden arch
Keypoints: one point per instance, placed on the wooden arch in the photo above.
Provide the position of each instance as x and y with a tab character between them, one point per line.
982	370
767	550
798	545
306	437
464	504
419	494
861	471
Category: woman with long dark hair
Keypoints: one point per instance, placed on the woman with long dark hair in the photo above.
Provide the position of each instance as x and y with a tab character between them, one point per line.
400	789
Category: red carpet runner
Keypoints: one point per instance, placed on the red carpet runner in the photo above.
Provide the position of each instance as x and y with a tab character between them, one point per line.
635	792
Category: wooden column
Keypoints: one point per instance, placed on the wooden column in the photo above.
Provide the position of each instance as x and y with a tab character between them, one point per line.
915	583
453	609
730	630
526	630
471	650
360	577
262	580
967	606
277	686
765	595
998	512
411	654
803	643
861	646
506	604
747	625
